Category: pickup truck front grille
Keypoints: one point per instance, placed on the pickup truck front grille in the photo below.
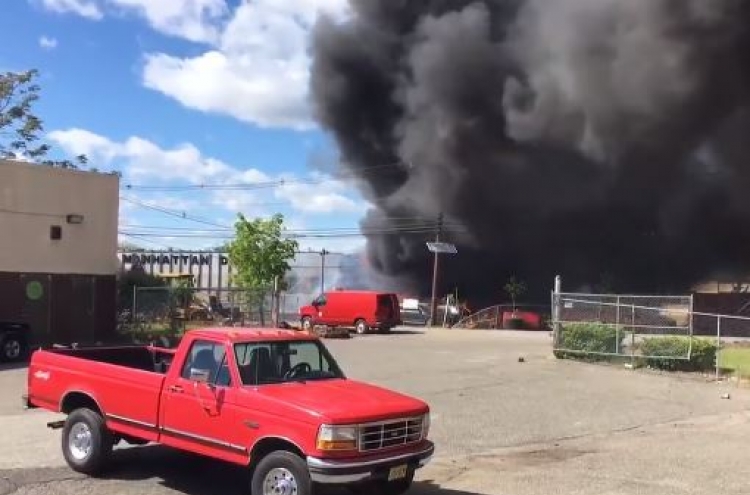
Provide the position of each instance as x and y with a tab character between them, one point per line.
388	434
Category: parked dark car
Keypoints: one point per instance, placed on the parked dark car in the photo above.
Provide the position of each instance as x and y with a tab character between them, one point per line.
414	317
14	341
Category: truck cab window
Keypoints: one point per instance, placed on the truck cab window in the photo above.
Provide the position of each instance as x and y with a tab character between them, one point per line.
208	357
280	362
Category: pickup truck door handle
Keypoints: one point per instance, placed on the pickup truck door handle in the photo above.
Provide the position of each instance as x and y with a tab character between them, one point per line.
176	389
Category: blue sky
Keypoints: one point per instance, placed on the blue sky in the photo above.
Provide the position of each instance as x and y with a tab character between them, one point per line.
184	93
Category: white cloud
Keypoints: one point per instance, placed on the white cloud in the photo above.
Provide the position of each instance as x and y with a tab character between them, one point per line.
317	198
84	8
147	161
143	161
79	141
256	68
47	42
240	201
259	91
259	71
194	20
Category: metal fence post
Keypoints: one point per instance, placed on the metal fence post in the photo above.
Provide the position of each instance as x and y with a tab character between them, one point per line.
556	313
135	305
718	344
632	338
617	325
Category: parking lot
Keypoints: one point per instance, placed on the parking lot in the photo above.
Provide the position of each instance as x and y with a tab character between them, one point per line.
501	426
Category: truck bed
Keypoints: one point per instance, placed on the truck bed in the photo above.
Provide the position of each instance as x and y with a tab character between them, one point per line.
146	358
124	382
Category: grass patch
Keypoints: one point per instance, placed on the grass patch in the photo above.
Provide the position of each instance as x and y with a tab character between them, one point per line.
735	359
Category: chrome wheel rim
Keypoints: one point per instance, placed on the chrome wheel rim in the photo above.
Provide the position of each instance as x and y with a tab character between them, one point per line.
279	481
79	441
12	349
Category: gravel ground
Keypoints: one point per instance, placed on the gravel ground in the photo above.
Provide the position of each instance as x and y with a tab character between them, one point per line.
501	426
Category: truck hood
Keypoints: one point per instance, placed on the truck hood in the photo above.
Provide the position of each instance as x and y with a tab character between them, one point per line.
343	401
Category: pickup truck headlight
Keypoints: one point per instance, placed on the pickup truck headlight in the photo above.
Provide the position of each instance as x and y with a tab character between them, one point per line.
337	438
425	425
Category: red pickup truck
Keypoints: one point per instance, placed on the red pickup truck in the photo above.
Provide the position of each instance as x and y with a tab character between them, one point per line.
274	401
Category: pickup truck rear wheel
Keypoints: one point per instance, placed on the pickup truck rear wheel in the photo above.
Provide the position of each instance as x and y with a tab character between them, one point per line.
86	441
281	473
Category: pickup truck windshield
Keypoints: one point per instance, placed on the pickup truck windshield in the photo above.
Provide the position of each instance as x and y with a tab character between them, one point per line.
261	363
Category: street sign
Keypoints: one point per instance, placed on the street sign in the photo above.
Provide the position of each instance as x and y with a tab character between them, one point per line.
441	247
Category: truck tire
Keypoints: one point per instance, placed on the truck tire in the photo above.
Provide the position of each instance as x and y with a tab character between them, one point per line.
13	348
281	473
86	442
306	324
361	326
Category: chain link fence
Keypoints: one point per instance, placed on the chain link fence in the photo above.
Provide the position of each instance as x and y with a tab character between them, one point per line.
620	325
167	312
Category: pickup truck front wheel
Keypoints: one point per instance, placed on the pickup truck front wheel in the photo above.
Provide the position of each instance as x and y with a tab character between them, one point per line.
86	441
281	473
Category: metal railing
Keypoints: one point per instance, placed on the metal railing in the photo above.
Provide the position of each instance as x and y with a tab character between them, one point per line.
500	316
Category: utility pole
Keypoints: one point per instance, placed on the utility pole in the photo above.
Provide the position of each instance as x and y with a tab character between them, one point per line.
433	302
323	254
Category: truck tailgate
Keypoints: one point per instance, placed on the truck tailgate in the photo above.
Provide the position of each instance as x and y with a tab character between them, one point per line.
128	397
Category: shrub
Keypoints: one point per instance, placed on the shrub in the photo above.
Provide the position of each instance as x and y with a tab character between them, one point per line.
589	340
702	355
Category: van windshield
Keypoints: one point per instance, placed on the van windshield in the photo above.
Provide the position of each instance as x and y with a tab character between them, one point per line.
262	363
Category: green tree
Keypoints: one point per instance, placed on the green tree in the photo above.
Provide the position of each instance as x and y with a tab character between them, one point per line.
514	288
19	126
259	254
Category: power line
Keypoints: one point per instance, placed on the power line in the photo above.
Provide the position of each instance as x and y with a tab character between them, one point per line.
136	237
250	186
401	227
321	235
171	212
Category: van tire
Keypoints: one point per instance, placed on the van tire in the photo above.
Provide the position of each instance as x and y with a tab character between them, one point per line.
360	326
288	465
90	454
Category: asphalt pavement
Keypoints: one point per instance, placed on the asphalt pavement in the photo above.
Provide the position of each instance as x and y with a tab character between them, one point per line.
501	426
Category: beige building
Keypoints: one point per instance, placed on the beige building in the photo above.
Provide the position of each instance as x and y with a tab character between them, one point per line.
58	250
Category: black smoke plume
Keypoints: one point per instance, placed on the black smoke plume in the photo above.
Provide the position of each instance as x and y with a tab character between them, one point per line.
596	139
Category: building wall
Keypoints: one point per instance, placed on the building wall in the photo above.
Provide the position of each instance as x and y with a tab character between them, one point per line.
34	198
64	289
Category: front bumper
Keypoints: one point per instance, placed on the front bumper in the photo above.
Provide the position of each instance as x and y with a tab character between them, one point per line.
326	471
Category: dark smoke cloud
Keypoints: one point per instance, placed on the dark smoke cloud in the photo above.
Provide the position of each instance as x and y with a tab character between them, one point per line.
590	138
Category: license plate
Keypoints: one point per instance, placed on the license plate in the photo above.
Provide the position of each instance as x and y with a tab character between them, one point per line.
397	473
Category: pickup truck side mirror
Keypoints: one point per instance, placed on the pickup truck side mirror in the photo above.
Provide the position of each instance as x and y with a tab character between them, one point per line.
199	375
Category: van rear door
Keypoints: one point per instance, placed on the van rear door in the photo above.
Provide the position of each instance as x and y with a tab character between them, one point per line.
387	305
